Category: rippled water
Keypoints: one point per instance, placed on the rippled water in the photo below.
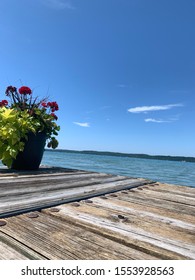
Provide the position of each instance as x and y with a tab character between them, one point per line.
174	172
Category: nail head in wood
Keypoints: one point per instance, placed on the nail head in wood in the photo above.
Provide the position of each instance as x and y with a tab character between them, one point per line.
88	201
121	217
32	215
2	223
54	209
75	204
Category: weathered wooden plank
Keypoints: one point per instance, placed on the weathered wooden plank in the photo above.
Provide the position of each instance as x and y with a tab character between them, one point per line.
69	189
147	219
181	194
61	177
11	249
118	222
5	172
139	236
159	190
167	216
56	239
53	184
173	188
142	198
42	199
32	193
131	201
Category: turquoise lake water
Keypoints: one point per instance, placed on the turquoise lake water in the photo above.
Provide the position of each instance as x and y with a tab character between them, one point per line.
174	172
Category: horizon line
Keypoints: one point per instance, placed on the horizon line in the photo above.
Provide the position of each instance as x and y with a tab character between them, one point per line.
122	153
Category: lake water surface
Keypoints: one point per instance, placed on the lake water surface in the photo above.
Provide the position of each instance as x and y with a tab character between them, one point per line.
174	172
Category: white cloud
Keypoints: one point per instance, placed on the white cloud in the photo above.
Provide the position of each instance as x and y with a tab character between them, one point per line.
155	120
145	109
58	4
169	120
82	124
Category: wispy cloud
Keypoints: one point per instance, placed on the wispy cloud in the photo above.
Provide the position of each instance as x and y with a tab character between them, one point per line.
145	109
156	120
58	4
85	124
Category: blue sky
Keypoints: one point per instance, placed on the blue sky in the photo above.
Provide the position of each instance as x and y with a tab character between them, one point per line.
122	71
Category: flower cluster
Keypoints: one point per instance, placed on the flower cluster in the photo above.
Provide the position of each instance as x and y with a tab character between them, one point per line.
3	103
10	90
25	90
53	107
41	112
20	100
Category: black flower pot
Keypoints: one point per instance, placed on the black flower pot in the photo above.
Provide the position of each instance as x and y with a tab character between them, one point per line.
30	158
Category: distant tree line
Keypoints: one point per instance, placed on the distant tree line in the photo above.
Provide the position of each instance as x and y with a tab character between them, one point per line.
143	156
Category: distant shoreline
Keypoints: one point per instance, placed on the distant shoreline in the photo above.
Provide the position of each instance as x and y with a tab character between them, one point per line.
141	156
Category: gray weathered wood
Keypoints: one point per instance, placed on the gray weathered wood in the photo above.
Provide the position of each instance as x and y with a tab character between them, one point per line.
105	217
32	191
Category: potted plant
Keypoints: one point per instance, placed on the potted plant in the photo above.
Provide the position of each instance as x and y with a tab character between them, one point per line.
26	123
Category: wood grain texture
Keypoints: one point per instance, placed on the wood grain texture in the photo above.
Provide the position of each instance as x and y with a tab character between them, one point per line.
27	191
105	217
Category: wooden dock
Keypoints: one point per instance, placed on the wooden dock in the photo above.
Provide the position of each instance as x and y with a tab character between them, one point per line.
58	213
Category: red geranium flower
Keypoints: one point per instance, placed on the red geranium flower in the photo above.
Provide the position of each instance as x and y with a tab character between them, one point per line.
44	104
25	90
54	116
53	105
9	90
3	103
